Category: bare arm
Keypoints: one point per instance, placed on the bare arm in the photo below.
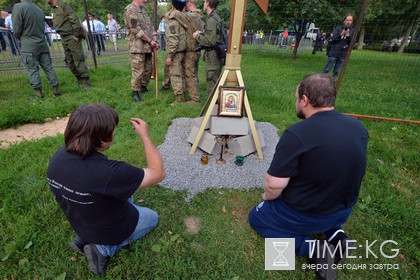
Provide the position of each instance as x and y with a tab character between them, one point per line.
273	186
154	172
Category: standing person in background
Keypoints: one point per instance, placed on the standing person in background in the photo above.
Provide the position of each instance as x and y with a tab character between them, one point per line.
29	24
192	57
340	44
96	193
101	29
314	179
319	42
71	31
161	32
14	44
166	84
112	30
176	44
211	36
2	31
142	40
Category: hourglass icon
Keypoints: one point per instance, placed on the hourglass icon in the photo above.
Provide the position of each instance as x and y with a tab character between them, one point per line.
280	247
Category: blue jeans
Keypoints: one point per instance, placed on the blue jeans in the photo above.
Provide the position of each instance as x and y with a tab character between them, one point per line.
337	62
148	219
276	219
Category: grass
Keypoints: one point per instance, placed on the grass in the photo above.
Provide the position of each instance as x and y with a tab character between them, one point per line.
34	234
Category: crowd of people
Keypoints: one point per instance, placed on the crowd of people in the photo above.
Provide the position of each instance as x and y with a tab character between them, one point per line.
308	189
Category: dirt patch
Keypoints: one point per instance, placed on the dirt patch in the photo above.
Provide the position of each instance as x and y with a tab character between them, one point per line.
193	225
32	131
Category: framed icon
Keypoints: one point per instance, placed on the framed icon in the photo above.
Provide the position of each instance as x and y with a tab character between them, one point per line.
231	101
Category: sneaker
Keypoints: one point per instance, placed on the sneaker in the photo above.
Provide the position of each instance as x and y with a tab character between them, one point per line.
77	244
346	248
97	261
325	261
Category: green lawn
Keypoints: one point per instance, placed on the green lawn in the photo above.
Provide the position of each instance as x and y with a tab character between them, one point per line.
34	234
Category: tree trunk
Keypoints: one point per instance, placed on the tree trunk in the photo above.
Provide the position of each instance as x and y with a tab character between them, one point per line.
407	34
361	38
299	35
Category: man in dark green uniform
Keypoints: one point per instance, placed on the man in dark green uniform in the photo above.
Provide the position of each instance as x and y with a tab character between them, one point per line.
211	36
28	23
68	25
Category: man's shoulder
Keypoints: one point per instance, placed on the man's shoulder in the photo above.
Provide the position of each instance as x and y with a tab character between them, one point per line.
131	8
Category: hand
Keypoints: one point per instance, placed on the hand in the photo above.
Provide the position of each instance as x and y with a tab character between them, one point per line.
76	39
196	33
140	127
168	61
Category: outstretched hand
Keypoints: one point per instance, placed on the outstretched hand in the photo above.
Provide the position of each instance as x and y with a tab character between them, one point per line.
140	127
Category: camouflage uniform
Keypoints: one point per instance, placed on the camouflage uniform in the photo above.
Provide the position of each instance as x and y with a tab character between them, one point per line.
68	25
212	36
28	23
176	44
191	56
138	23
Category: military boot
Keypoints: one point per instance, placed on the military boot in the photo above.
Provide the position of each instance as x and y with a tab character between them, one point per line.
136	96
56	91
79	80
179	99
87	84
143	89
38	93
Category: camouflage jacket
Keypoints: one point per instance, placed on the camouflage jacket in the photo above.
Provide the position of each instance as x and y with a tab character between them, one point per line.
176	35
66	21
212	31
138	23
195	22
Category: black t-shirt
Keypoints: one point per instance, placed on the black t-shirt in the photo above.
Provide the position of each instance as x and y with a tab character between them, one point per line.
325	158
93	194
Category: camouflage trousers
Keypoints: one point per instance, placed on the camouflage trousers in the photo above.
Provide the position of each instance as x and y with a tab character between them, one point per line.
75	56
177	73
191	74
213	69
166	77
32	61
141	69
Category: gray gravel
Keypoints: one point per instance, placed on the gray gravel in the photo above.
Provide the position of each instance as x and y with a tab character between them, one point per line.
185	171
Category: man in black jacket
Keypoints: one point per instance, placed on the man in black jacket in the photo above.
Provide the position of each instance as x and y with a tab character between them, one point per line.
340	42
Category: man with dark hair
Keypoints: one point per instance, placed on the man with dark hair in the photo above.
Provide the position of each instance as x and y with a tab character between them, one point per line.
340	42
28	22
314	179
210	37
71	31
142	40
94	192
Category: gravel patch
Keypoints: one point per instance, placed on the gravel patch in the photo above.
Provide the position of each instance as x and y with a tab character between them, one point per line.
185	171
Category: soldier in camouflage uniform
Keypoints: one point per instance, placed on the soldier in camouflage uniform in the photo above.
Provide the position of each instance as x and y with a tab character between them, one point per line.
192	57
176	44
141	40
166	84
28	26
68	25
211	36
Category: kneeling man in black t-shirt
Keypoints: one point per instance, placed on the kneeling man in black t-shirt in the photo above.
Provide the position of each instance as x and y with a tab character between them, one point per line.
314	179
94	192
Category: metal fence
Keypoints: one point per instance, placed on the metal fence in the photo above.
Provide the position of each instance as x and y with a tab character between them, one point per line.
105	51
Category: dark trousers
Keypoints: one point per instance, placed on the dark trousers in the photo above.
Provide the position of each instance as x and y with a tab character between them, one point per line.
276	219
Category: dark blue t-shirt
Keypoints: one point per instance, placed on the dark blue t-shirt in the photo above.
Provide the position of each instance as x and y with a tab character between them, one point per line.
93	194
325	158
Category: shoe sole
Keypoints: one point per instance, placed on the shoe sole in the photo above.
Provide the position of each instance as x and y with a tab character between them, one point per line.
93	260
76	248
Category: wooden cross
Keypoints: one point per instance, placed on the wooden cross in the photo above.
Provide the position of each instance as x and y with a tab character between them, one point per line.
231	75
